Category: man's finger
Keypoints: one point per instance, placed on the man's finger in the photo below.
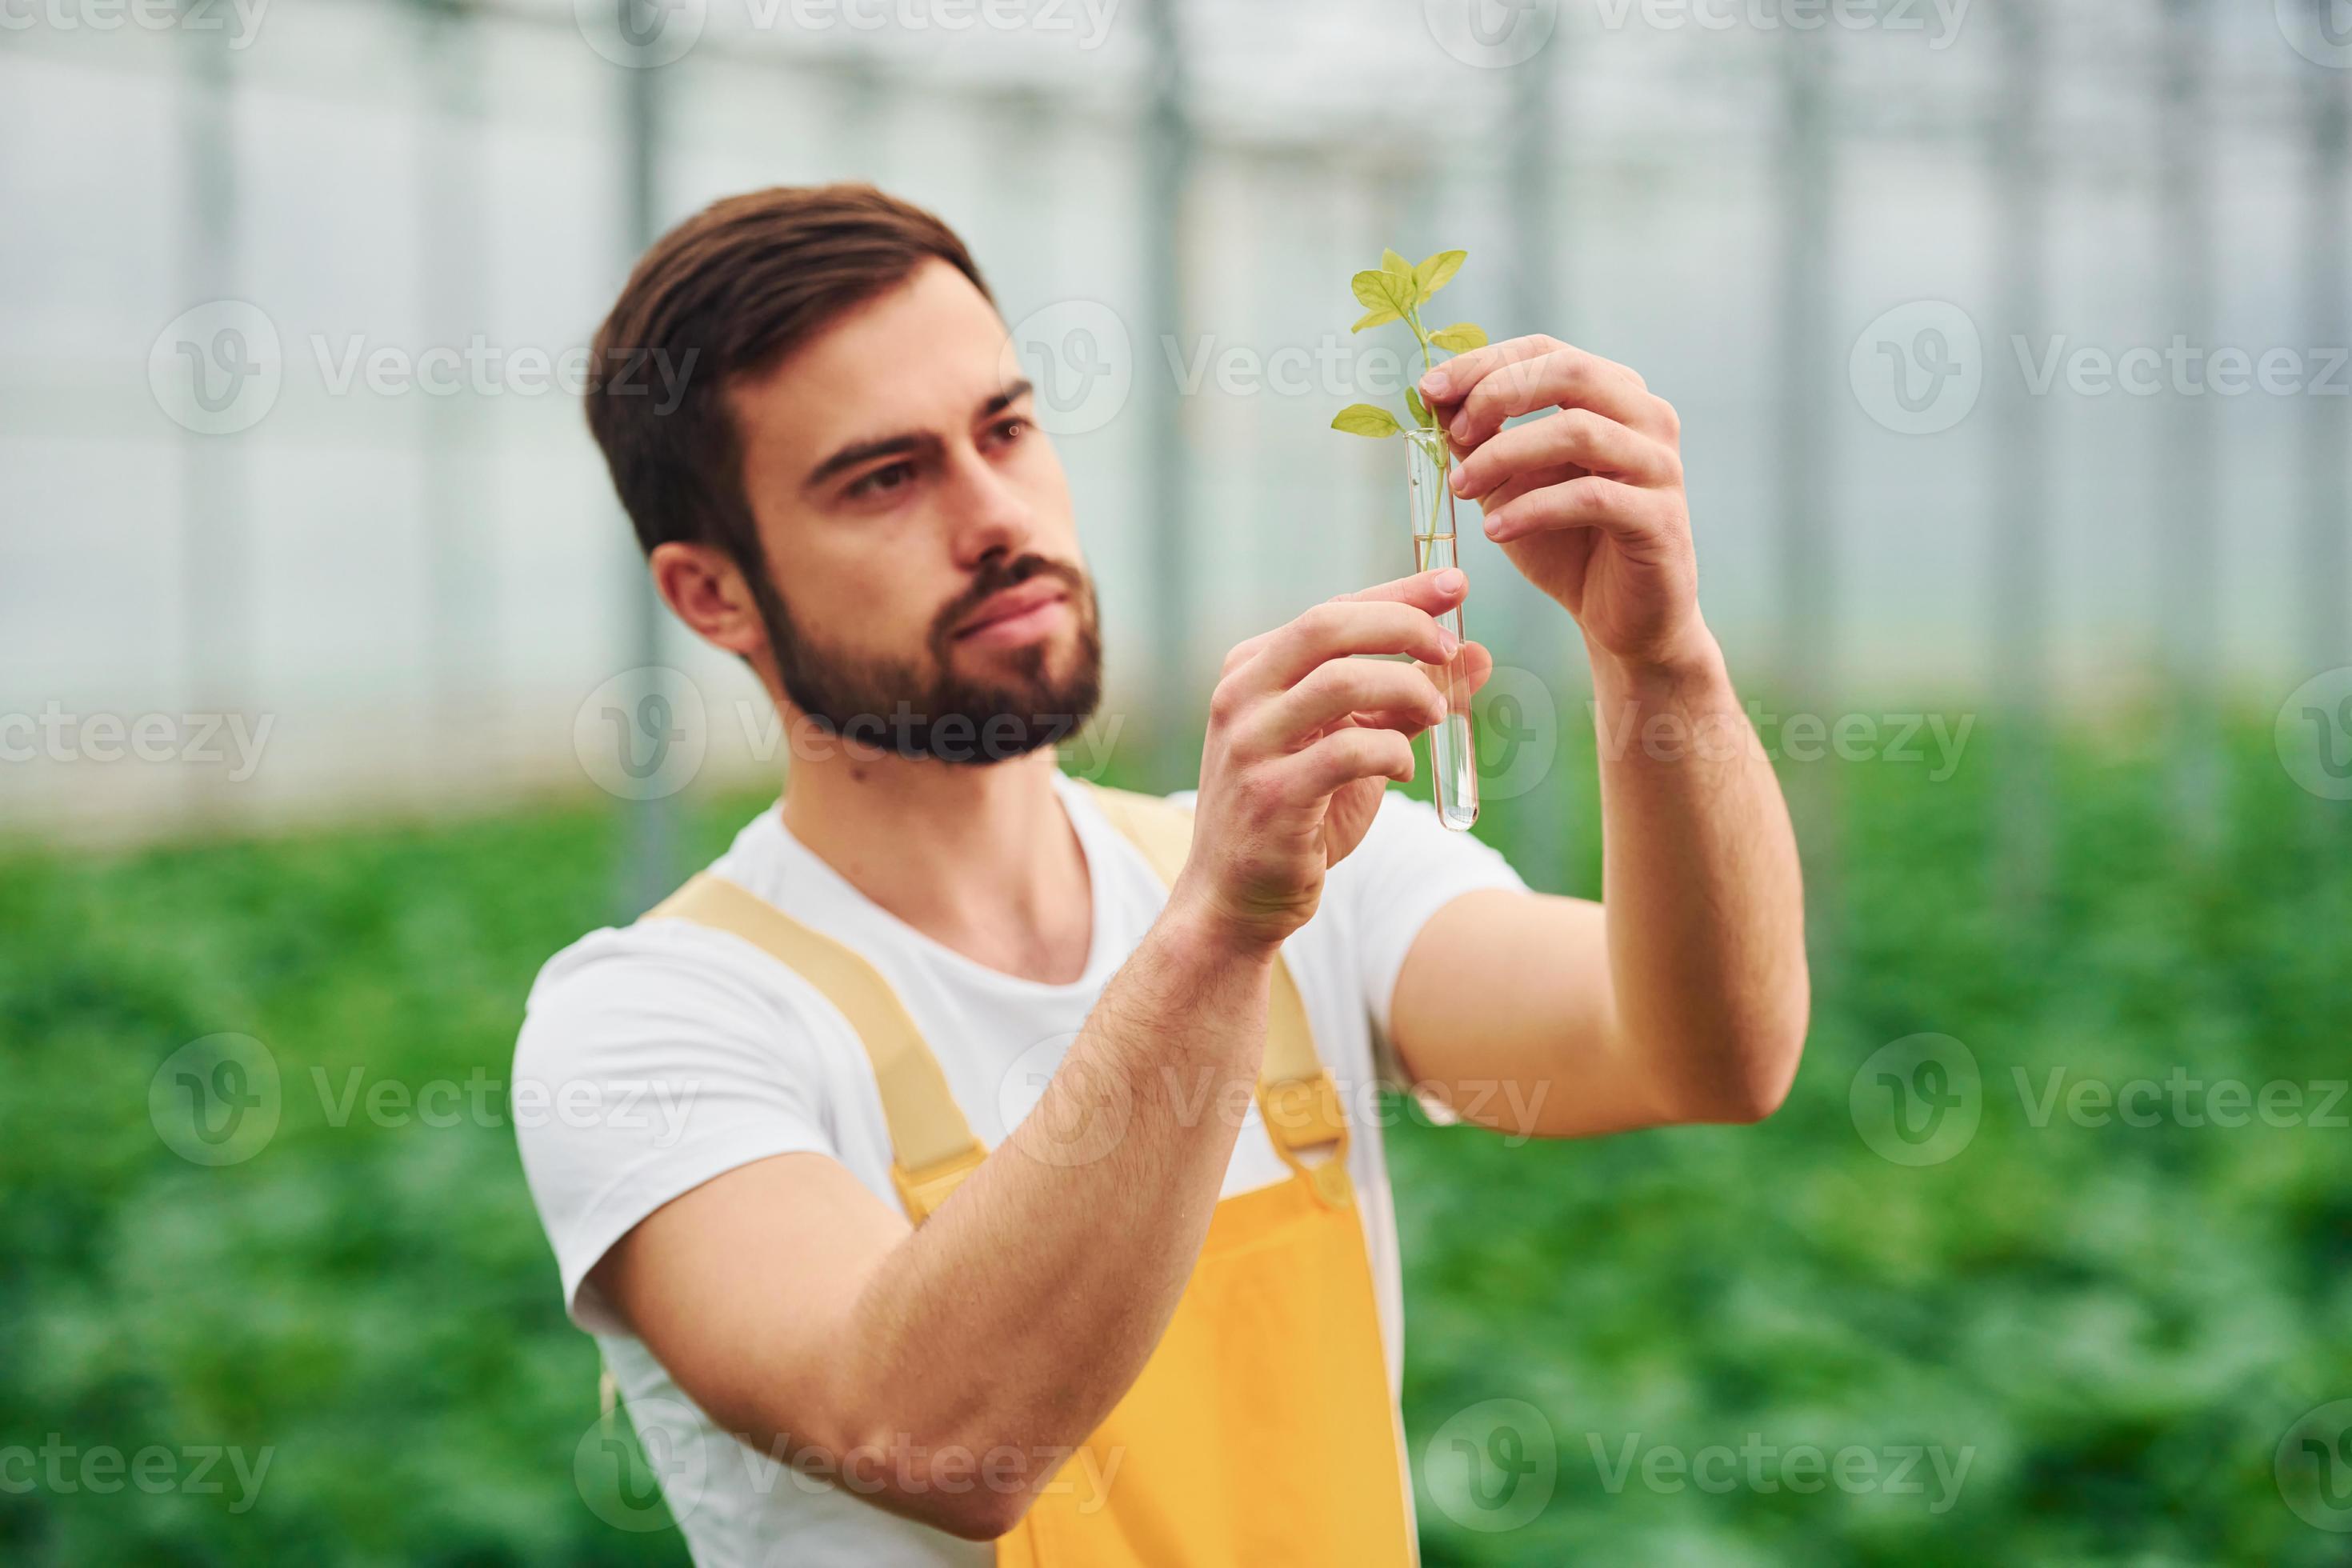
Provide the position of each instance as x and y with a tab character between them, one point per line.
1630	515
1580	437
1568	377
1395	695
1344	756
1445	385
1345	626
1435	592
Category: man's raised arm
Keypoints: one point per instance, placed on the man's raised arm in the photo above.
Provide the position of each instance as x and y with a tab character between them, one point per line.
1683	995
810	1319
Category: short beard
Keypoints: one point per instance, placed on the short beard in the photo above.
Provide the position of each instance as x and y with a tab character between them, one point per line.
888	704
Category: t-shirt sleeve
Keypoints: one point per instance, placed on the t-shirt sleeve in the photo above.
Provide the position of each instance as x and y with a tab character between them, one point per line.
647	1064
1408	867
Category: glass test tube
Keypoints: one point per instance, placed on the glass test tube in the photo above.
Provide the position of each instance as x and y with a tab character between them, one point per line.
1453	753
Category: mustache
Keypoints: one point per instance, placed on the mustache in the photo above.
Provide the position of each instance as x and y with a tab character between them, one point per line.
993	579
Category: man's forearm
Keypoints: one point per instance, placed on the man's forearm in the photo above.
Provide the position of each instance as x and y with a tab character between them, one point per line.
1023	1308
1703	896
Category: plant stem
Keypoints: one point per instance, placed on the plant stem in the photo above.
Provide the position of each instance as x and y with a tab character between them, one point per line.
1445	451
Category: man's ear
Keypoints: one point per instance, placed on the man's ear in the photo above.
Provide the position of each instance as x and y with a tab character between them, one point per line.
702	585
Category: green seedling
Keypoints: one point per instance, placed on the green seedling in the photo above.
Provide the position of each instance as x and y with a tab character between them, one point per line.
1395	291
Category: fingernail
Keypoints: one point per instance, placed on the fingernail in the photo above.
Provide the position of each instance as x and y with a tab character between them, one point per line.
1450	581
1447	643
1455	481
1494	525
1434	384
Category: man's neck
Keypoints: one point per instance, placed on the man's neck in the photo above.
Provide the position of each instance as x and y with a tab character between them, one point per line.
981	860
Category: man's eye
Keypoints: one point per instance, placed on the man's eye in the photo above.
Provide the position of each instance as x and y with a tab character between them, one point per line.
881	481
1012	427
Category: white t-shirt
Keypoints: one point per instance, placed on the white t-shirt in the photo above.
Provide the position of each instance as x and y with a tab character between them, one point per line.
654	1057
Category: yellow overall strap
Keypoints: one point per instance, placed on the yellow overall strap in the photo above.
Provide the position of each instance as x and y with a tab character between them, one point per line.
1296	1096
932	1147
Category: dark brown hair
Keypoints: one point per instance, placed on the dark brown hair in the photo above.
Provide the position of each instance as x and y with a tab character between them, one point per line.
726	294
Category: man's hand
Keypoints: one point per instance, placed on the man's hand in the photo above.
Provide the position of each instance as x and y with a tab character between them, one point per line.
1683	996
1303	736
1587	501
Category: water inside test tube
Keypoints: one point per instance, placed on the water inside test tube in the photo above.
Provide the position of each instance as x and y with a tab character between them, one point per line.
1452	749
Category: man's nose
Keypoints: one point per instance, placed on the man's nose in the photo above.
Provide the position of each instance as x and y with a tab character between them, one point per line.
989	516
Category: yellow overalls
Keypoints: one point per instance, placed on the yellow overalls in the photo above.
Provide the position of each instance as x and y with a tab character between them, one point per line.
1260	1434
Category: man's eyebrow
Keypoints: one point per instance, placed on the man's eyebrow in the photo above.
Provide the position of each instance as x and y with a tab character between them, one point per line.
908	444
1014	391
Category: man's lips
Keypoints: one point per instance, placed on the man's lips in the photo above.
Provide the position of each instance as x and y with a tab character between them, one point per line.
1012	603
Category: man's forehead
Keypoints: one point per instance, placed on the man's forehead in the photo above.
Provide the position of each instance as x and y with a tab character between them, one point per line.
930	350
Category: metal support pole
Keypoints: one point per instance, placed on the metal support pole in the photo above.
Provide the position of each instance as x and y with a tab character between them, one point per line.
217	557
2187	556
652	867
2326	544
1808	587
464	691
2022	826
1546	817
1167	169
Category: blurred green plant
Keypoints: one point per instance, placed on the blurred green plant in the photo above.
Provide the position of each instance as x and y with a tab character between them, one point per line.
1396	290
2118	1324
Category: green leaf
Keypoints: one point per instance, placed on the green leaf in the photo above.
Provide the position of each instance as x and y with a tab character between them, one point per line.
1381	317
1459	338
1383	290
1366	419
1437	271
1420	414
1392	262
